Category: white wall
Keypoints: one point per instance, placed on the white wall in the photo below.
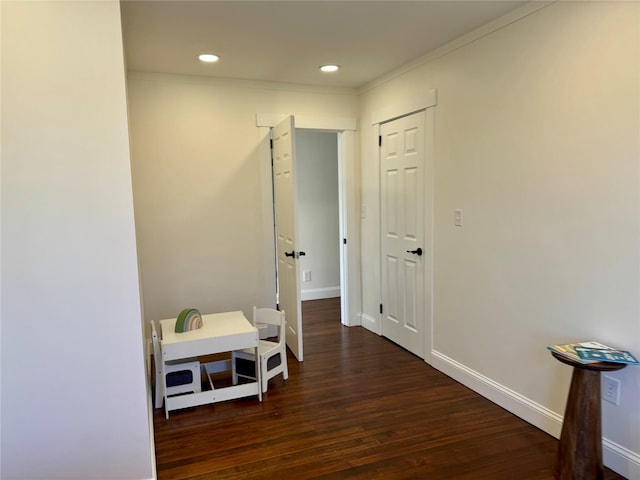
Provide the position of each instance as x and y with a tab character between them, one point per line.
537	140
202	189
74	401
318	212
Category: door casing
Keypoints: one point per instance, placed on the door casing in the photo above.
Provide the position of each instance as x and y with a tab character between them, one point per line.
349	208
426	101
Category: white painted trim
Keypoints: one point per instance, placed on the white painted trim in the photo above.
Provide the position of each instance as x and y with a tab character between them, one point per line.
269	261
512	401
150	410
406	107
409	106
316	123
319	293
349	229
370	323
428	234
620	460
616	457
349	215
374	322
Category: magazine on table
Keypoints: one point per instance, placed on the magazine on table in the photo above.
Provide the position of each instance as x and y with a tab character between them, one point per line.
593	352
568	350
606	355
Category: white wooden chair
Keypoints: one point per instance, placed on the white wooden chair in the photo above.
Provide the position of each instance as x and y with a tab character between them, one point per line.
273	355
173	378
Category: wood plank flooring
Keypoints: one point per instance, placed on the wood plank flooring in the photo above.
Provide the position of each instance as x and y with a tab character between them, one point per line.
358	407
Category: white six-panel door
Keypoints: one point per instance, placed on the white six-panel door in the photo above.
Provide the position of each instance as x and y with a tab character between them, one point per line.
287	253
402	159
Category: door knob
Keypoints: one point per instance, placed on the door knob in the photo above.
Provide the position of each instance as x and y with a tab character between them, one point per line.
301	254
292	253
417	251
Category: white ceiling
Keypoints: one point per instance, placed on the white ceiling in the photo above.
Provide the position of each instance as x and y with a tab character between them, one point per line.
286	41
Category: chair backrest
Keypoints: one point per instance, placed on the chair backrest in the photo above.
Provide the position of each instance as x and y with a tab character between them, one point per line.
270	316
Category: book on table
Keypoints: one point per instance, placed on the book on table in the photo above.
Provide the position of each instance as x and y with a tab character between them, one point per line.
593	352
568	350
606	355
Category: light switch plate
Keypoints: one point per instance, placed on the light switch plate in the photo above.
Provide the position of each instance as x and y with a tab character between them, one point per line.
457	216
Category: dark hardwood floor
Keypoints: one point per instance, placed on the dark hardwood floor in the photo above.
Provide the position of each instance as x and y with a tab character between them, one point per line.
358	407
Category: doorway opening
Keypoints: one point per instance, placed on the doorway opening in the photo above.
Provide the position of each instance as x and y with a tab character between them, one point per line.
318	214
276	170
307	214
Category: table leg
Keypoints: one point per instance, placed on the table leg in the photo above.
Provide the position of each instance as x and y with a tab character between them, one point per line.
258	372
580	448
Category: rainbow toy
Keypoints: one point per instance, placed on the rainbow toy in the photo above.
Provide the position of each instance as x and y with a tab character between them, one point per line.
189	319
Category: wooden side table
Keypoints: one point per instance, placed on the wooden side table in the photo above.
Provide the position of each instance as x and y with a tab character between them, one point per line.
580	449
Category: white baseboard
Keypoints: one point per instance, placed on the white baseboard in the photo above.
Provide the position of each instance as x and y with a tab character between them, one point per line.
617	458
621	460
319	293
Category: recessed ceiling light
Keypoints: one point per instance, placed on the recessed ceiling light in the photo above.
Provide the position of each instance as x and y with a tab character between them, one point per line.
329	68
208	57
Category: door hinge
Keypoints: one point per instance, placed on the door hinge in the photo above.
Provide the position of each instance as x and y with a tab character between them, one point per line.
380	309
344	241
271	147
379	140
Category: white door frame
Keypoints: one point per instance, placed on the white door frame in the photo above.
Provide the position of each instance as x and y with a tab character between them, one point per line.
349	211
408	106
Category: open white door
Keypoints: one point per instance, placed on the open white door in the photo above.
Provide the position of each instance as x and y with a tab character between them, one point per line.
284	194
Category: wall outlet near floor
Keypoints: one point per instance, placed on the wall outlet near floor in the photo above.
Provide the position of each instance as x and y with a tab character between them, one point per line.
306	276
611	389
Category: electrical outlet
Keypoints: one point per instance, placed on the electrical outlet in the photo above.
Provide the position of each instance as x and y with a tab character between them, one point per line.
611	389
306	276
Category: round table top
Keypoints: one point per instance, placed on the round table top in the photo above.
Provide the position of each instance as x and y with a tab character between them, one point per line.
598	366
